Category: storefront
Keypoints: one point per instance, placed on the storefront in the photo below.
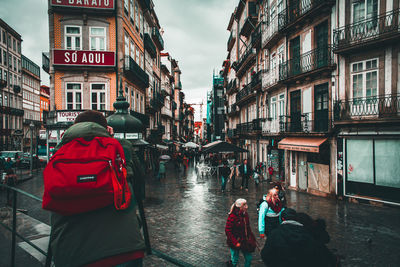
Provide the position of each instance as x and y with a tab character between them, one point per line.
308	164
371	167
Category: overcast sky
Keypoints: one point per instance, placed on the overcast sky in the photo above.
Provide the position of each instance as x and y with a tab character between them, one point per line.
194	34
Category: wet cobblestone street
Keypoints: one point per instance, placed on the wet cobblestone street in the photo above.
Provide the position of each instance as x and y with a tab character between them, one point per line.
186	217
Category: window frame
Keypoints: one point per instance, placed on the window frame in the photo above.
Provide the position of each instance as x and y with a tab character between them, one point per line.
73	36
98	92
73	96
97	37
363	73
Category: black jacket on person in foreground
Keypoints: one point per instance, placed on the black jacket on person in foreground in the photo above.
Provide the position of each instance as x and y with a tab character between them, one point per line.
292	245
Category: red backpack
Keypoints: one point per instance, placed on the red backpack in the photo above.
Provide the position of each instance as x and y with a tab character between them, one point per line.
86	175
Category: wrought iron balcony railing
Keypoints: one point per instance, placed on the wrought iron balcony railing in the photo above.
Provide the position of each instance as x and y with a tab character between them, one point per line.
149	45
256	79
247	57
157	38
253	126
298	10
374	107
231	87
382	27
256	36
244	93
232	109
251	20
271	30
305	123
312	60
135	72
270	78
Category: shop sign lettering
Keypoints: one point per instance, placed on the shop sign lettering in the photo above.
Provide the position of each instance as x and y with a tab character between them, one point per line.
84	58
67	116
103	4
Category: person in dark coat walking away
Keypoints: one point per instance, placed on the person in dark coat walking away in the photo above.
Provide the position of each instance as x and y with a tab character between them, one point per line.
291	244
239	234
102	237
224	174
245	171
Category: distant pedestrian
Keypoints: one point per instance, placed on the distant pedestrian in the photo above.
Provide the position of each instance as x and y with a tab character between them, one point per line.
185	164
291	244
10	179
224	175
234	173
239	234
161	170
268	216
245	171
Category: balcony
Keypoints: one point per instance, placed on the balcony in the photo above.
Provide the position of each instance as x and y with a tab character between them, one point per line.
246	93
251	127
270	78
376	108
250	21
245	61
232	133
166	112
231	87
157	38
17	89
271	33
256	36
232	110
370	32
300	10
135	72
271	126
231	40
149	45
305	123
256	80
306	64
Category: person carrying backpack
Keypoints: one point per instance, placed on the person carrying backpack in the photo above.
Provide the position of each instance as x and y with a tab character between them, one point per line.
270	210
105	236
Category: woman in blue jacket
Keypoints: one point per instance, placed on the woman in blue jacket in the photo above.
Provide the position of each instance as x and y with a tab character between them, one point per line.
270	210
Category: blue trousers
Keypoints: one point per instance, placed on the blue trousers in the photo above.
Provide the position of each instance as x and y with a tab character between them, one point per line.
223	182
235	257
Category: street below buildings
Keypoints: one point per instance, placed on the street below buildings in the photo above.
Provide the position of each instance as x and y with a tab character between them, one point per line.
186	216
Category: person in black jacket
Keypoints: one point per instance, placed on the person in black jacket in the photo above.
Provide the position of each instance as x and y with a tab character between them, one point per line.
245	171
224	173
292	244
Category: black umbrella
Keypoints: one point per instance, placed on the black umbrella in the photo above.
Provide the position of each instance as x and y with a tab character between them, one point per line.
222	146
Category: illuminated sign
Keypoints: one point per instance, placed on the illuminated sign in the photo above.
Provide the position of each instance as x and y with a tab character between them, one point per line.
102	4
83	58
67	116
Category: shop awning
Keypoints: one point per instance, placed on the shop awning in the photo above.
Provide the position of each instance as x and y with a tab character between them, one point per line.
304	144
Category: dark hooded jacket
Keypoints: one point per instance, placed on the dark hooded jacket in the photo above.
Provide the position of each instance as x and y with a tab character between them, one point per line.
89	237
292	245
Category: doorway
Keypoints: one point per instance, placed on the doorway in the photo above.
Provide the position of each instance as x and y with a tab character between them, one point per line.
295	111
321	107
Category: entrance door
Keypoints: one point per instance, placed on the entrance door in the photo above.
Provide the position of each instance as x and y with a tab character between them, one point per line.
295	111
293	169
302	170
321	107
321	55
294	66
294	9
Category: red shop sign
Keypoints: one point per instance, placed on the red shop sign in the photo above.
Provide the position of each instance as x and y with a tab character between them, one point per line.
104	4
83	58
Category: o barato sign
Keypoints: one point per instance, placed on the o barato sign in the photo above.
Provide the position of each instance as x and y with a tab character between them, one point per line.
83	58
103	4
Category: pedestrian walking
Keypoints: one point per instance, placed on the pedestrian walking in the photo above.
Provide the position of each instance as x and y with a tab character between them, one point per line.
291	244
268	216
234	173
161	170
224	174
10	179
245	171
100	237
185	164
240	238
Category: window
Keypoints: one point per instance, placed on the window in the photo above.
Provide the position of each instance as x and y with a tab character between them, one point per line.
126	7
137	16
141	26
281	105
98	96
97	38
73	37
273	114
280	6
1	74
132	13
364	78
19	47
5	58
10	61
133	50
4	37
126	45
15	64
74	96
14	45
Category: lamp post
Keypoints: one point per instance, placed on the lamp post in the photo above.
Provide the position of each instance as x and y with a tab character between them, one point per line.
31	127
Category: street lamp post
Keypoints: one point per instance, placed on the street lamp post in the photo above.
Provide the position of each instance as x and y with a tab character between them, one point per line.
31	126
